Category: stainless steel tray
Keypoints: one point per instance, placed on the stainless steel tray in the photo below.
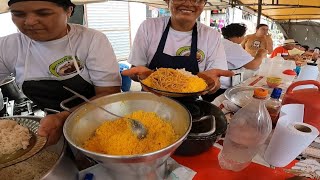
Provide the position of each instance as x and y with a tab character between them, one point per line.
240	95
36	142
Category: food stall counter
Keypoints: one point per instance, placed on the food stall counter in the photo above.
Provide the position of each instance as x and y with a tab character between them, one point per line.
207	167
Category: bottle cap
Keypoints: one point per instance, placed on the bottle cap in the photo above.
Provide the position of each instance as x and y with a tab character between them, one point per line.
289	72
276	93
260	93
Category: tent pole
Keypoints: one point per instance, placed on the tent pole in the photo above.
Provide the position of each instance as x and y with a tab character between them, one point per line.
259	11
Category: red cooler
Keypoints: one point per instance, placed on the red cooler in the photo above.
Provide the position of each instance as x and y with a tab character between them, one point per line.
309	97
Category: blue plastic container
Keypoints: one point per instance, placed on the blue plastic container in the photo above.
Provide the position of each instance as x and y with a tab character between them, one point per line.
126	80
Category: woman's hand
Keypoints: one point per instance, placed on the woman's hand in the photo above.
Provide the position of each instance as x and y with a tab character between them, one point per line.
140	71
51	127
213	76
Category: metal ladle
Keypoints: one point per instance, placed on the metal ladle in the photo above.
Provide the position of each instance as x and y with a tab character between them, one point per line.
136	127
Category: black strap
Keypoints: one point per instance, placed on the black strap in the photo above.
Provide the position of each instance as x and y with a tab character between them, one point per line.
194	40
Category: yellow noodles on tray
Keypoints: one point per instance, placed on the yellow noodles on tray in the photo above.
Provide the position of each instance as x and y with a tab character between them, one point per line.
171	80
116	138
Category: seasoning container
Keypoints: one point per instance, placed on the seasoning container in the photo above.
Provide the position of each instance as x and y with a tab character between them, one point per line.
273	105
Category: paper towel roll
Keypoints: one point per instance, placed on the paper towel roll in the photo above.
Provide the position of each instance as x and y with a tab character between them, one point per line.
288	141
294	111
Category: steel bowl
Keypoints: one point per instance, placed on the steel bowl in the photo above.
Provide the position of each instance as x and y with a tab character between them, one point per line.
82	123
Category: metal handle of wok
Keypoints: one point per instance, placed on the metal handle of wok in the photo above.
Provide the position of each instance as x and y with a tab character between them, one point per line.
62	104
46	110
211	131
77	95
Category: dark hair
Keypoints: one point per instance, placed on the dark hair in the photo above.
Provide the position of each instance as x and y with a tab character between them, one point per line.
234	30
66	7
260	25
306	48
65	4
317	48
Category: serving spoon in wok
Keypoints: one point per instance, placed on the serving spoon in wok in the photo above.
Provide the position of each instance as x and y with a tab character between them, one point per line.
136	127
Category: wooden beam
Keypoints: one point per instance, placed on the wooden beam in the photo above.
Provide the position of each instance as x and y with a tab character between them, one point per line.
295	15
259	11
296	19
288	5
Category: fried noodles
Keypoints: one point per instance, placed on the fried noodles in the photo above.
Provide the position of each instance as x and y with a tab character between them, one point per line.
171	80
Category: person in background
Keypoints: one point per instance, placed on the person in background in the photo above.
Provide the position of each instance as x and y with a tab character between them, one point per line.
238	59
305	48
259	40
288	44
179	42
48	53
299	46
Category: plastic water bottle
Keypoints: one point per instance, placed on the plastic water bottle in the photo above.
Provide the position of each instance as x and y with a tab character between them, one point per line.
308	72
277	66
278	57
273	105
247	131
315	55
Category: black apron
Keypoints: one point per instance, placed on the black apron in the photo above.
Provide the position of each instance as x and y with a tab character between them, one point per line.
190	63
50	93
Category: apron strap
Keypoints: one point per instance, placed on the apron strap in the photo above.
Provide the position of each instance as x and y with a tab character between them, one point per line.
194	42
163	39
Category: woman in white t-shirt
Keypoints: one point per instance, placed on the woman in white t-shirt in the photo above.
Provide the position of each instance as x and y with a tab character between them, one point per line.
238	59
178	42
48	54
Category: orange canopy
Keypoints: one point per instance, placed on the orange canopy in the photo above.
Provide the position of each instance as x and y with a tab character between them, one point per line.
285	9
211	4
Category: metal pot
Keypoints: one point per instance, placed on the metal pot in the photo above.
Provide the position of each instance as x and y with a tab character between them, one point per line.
1	100
11	90
82	123
205	130
64	168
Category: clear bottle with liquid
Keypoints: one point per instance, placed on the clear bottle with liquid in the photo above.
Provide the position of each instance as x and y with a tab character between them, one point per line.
273	105
247	131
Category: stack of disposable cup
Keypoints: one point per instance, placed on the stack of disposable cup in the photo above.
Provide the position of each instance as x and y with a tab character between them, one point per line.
291	136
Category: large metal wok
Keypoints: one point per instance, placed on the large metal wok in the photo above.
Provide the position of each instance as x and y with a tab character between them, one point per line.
82	123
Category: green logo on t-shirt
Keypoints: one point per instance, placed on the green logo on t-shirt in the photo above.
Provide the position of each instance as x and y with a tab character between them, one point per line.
64	66
185	51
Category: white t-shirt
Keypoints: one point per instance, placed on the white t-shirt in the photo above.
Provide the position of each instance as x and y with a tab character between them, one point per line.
210	53
236	55
52	60
236	58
